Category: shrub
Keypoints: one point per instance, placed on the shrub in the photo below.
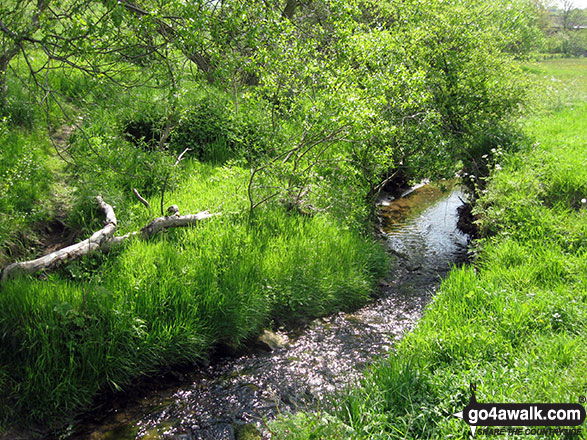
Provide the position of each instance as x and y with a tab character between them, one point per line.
214	132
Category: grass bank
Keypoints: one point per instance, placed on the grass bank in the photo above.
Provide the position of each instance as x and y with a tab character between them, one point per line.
99	323
25	186
515	322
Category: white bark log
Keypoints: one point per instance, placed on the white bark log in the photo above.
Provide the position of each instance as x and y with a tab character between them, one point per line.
103	239
174	222
71	252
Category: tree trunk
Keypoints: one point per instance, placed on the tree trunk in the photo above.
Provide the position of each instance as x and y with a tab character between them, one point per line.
101	240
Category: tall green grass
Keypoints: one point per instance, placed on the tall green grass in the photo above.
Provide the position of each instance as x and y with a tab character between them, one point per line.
25	184
99	323
515	322
32	182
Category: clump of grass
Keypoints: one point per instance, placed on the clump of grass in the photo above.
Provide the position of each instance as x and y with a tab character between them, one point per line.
25	182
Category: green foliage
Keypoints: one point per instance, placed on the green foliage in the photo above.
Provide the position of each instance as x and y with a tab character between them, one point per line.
551	174
475	87
208	124
413	86
212	129
308	426
18	109
556	84
101	322
25	182
324	102
515	323
23	171
569	43
565	32
120	167
377	86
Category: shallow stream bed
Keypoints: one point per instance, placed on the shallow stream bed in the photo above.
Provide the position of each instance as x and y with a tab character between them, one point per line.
308	364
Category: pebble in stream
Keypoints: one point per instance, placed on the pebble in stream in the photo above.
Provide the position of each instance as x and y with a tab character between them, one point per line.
327	356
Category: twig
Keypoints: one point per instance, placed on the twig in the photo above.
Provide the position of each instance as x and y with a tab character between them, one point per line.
179	158
141	199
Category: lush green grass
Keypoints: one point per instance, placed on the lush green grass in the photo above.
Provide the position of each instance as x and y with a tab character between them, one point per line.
515	322
101	322
33	187
25	185
558	83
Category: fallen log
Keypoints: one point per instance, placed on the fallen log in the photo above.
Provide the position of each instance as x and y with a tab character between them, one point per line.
175	221
160	223
103	239
70	252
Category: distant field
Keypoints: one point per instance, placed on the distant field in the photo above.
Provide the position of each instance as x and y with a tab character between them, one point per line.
557	83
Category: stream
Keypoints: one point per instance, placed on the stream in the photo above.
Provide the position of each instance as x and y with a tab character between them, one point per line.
306	365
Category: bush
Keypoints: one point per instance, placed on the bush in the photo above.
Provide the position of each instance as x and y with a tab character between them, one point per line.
214	132
18	108
569	43
207	124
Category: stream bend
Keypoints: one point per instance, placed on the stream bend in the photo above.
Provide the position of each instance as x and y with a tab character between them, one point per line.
312	363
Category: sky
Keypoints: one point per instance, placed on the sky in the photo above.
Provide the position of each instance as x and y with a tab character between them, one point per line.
577	3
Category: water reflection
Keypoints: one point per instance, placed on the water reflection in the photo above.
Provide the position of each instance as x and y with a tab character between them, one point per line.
328	355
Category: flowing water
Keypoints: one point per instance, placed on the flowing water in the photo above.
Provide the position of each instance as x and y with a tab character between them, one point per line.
309	364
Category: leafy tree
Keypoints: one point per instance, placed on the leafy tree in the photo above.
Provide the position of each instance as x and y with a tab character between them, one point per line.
354	90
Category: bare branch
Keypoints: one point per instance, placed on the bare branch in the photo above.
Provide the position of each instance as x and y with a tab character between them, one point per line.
141	199
179	158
